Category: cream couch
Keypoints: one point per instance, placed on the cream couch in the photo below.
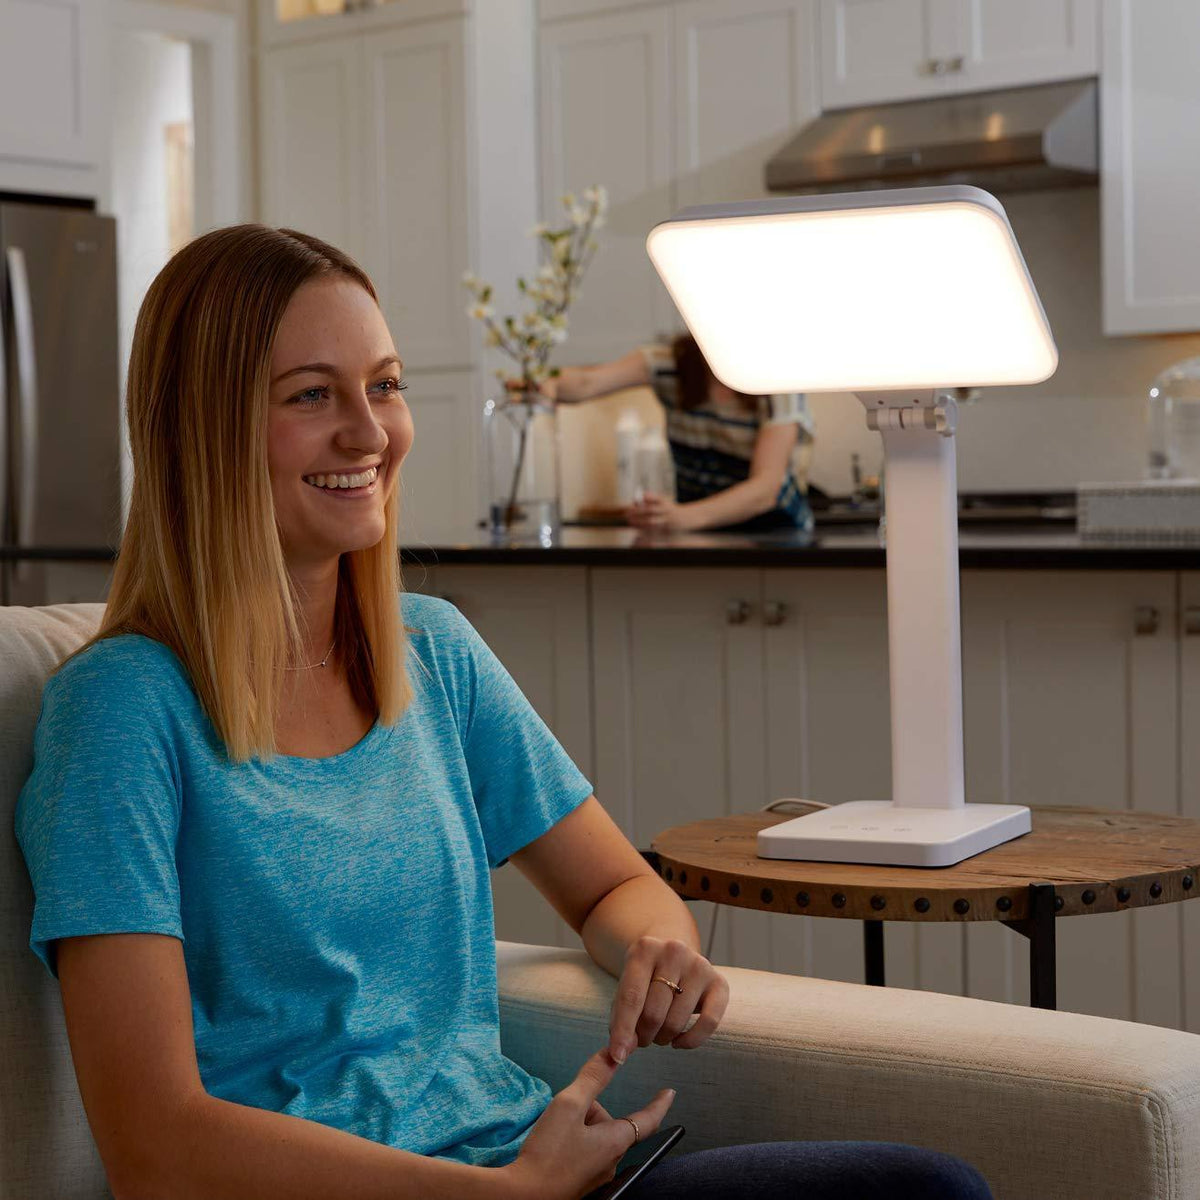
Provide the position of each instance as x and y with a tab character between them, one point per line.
1048	1105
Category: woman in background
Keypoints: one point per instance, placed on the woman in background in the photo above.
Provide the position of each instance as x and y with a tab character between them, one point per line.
740	460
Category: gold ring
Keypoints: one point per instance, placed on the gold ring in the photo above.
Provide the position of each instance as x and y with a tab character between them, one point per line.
637	1133
673	986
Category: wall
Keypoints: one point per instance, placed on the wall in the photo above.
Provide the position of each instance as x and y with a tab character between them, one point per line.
1085	423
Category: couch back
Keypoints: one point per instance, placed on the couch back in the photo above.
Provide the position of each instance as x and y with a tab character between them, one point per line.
46	1147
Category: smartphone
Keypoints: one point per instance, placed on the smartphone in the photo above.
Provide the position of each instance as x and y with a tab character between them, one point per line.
640	1158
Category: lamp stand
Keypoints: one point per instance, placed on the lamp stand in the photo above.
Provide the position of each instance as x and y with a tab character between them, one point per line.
927	822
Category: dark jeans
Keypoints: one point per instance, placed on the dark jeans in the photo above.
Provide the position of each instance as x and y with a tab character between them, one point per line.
811	1171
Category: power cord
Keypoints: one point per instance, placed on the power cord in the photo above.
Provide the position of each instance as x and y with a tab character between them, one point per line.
786	806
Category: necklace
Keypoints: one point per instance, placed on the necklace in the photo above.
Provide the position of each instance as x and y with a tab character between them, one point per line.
320	664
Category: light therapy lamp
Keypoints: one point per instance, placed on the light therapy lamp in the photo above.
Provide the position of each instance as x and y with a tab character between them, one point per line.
900	297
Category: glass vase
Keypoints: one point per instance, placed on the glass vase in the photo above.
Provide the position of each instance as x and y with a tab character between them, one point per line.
520	433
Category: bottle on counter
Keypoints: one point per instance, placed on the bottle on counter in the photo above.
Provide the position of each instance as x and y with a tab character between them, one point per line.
629	434
655	470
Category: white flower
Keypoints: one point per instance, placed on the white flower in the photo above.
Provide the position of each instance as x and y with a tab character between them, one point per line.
579	216
480	312
568	200
547	272
540	228
492	338
472	281
558	334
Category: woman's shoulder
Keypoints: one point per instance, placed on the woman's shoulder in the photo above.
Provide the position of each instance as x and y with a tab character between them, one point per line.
126	668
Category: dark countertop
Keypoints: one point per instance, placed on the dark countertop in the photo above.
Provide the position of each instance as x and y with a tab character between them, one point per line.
1048	546
1051	546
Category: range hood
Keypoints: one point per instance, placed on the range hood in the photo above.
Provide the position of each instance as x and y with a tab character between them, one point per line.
1019	139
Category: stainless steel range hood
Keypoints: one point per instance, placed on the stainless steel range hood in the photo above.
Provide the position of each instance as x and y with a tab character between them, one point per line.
1020	139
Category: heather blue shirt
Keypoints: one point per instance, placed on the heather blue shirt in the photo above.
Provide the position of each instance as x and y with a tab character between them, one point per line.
335	913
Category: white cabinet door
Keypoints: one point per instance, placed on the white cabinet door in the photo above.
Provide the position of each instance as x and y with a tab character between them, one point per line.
311	137
414	175
745	80
53	102
876	50
535	620
881	50
1014	42
1066	703
605	115
1189	781
678	704
1149	184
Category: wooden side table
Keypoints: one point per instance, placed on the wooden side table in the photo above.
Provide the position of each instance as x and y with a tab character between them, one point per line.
1074	861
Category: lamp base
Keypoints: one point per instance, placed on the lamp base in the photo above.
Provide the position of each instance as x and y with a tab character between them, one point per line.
878	831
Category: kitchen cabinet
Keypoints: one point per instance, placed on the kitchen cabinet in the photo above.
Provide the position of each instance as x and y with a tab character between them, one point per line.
364	141
53	96
1149	185
883	50
1070	697
1189	774
605	118
745	78
536	623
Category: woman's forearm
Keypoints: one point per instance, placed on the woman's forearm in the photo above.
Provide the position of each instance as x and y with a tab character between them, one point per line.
643	904
219	1150
574	384
738	503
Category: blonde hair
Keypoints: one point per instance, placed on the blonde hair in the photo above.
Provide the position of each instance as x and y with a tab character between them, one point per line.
201	566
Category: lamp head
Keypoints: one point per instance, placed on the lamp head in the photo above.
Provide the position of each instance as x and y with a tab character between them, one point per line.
862	291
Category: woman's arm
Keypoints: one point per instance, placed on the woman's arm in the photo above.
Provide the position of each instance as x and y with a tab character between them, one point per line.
583	383
756	494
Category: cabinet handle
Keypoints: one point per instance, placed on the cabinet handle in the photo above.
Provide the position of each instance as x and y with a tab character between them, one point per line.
955	64
1145	620
774	613
935	66
737	612
1191	621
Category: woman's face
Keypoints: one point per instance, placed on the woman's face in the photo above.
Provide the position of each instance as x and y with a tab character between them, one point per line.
335	408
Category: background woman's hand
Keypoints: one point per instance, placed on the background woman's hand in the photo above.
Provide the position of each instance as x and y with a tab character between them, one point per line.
547	387
575	1146
645	1011
658	512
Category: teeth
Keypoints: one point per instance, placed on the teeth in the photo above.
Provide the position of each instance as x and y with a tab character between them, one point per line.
343	481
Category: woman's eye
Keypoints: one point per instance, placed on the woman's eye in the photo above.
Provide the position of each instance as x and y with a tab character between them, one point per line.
397	385
301	398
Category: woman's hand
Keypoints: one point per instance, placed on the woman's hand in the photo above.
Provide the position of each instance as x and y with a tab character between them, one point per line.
547	387
658	512
575	1146
646	1011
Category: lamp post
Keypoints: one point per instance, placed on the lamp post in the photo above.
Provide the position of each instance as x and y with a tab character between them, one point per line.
898	296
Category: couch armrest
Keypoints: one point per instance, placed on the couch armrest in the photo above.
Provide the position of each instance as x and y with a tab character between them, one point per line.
1045	1104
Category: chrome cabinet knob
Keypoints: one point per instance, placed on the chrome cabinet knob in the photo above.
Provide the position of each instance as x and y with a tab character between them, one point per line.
774	613
737	612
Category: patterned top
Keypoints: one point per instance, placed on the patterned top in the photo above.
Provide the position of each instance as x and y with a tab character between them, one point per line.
712	445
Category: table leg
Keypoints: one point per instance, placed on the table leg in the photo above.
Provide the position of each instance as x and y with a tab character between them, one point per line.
873	952
1038	927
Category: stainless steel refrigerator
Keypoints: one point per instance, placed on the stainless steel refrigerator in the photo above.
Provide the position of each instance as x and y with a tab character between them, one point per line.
60	409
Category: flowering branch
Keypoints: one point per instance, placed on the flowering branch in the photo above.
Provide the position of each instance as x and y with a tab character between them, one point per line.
530	339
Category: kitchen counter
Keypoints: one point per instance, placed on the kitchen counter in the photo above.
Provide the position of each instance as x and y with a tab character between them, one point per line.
1051	547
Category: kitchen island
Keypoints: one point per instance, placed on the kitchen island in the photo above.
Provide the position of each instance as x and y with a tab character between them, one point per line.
703	675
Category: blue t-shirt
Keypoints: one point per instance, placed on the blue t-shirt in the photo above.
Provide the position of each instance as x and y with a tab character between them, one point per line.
335	913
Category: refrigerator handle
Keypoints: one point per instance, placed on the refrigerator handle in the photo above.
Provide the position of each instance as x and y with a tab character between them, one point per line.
27	406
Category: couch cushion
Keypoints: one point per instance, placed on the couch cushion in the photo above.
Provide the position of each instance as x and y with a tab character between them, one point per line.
46	1148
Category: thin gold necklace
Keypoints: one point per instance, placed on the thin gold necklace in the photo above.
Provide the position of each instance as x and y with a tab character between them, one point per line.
320	664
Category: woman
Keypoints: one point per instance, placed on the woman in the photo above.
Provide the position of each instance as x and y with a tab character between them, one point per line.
266	797
740	461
